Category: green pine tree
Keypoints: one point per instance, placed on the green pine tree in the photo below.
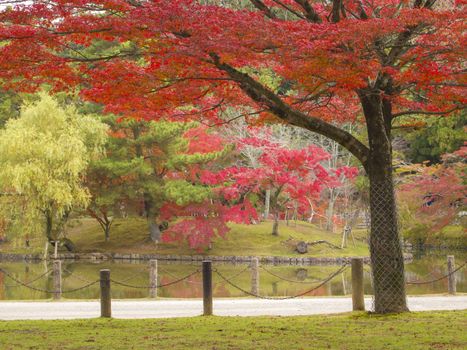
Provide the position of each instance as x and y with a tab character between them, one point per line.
146	163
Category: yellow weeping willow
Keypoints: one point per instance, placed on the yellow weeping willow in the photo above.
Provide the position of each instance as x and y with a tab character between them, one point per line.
43	158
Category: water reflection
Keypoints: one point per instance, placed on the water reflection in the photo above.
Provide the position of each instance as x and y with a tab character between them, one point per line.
281	281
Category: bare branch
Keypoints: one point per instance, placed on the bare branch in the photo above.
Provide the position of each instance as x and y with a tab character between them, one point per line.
395	115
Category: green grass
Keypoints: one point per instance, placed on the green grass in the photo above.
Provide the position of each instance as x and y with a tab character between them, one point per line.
130	236
414	331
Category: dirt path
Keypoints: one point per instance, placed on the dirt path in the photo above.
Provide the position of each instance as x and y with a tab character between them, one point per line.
12	310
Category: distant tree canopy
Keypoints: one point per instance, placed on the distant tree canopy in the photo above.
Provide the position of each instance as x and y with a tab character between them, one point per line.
44	154
9	106
440	136
432	197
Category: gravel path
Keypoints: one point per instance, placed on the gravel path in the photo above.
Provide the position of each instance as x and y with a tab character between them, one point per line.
12	310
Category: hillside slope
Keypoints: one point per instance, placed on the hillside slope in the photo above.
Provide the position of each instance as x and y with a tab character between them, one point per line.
129	236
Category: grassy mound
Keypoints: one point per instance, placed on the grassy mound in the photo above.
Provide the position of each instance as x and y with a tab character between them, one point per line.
130	236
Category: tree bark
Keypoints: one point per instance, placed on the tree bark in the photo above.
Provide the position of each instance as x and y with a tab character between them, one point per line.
48	225
266	204
106	225
153	227
107	233
154	230
275	225
385	247
330	212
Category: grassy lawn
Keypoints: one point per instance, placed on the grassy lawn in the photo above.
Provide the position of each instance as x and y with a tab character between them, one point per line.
412	331
129	236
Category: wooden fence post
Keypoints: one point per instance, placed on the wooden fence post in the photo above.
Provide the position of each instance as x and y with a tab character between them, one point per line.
153	278
106	307
358	301
255	276
57	271
207	288
452	276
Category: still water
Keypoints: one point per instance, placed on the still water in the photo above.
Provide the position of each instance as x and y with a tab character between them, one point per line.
275	280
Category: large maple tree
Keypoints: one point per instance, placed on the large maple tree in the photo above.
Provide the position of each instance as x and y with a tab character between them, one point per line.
337	60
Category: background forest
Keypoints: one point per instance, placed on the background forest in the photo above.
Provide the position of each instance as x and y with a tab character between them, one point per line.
189	182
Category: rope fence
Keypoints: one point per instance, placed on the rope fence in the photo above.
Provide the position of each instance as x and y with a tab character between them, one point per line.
449	274
281	298
30	282
164	271
356	264
434	280
46	290
157	285
77	276
290	280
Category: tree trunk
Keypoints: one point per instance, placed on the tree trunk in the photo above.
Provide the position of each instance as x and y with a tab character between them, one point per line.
385	247
330	212
107	232
386	252
348	227
154	230
266	204
153	227
104	221
312	212
106	225
275	225
48	225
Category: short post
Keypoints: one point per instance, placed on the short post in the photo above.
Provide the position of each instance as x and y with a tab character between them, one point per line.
106	308
207	288
153	278
358	300
452	275
255	276
57	271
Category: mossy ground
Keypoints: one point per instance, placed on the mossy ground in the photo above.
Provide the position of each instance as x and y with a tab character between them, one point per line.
414	331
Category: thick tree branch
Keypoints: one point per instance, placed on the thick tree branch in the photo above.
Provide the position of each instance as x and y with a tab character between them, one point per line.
401	45
363	14
263	8
309	11
265	97
288	8
428	4
336	11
